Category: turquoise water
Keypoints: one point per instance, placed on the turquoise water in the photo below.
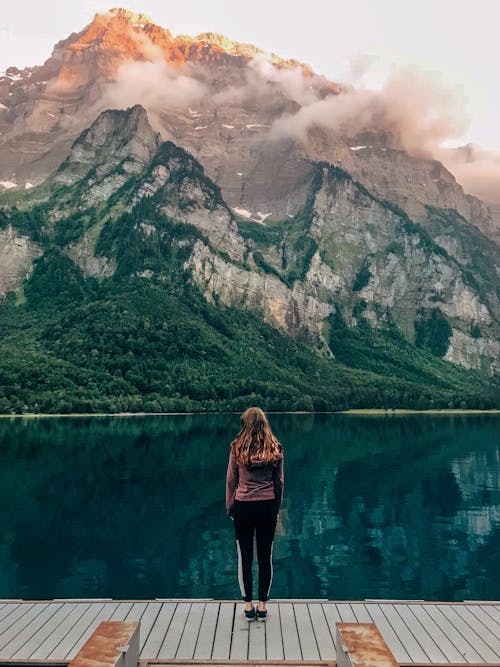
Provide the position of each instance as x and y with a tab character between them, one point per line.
134	507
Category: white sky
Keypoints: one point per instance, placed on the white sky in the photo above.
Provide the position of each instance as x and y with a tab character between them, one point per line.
457	38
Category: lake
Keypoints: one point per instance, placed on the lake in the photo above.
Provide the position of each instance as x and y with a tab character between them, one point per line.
394	506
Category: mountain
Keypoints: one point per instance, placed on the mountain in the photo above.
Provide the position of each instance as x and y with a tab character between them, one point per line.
179	250
219	100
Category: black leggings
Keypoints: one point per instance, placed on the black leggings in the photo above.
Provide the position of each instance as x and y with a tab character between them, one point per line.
261	516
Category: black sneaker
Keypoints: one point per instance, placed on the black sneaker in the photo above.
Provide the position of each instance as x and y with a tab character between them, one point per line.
261	614
250	614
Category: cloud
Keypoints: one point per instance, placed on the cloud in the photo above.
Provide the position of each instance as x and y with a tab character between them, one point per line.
414	107
155	85
476	169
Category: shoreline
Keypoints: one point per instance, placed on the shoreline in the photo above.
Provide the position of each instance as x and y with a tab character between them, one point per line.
352	411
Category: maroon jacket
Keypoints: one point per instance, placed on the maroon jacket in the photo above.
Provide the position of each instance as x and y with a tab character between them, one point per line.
259	481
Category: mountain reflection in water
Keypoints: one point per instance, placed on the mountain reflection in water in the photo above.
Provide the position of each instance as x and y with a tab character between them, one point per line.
404	506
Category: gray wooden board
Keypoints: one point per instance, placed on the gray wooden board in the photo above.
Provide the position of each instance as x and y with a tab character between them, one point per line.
387	632
405	635
7	609
467	651
241	630
121	611
136	611
18	624
175	630
361	613
305	629
79	634
257	639
291	643
491	619
420	633
158	631
450	651
332	618
274	641
205	641
10	649
492	635
14	618
345	612
50	626
494	612
486	653
51	642
223	631
148	619
326	647
189	637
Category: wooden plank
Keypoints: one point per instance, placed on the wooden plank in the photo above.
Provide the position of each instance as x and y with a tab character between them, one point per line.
7	609
223	631
18	622
10	649
486	653
405	635
362	644
274	640
418	630
121	611
206	635
492	611
289	632
113	644
147	622
45	631
449	650
175	629
52	641
361	613
74	640
492	625
332	618
324	640
485	609
307	638
257	638
136	611
189	637
154	642
241	632
14	617
345	612
390	637
466	650
481	631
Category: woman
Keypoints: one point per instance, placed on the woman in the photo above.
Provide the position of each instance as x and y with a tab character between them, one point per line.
254	494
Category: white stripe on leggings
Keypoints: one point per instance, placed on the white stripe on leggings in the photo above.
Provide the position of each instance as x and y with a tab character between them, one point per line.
271	559
240	571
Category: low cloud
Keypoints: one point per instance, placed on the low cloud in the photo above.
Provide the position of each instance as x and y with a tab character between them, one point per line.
155	85
476	169
414	107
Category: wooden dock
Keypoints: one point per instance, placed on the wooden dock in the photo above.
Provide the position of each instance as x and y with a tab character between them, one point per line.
417	633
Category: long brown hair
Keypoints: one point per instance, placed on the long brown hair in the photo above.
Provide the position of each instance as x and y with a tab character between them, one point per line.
255	443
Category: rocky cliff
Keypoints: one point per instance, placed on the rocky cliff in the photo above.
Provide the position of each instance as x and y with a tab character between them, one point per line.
344	248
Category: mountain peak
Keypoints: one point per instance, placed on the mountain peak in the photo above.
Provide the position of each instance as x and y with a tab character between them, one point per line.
138	19
116	137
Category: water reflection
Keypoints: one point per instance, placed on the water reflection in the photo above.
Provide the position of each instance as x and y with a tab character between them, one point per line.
394	507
